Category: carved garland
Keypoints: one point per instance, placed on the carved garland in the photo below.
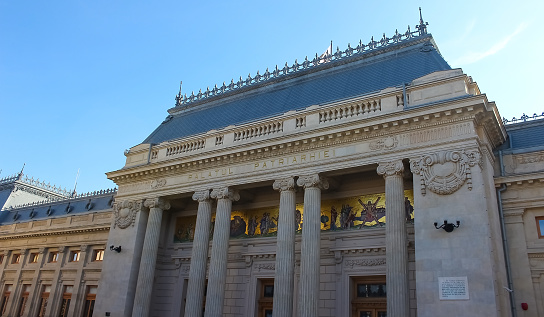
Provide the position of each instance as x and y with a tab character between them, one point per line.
125	213
446	171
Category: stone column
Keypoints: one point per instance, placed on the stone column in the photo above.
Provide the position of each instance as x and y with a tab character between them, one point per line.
310	248
396	239
148	261
217	275
285	249
199	255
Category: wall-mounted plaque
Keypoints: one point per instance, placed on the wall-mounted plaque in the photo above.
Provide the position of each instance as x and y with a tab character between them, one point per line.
453	288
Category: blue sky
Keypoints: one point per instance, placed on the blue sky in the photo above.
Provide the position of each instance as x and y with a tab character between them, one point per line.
81	81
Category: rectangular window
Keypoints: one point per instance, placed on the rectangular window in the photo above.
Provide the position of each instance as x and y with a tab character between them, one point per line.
53	257
266	295
74	256
89	301
33	258
98	255
65	303
43	300
24	299
16	259
540	227
1	259
5	298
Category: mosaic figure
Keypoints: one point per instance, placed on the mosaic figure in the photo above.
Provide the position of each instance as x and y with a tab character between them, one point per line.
189	232
298	220
237	226
344	214
408	209
334	216
350	217
252	226
370	212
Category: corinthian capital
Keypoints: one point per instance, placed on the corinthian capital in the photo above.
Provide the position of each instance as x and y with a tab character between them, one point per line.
160	203
284	184
390	168
202	195
314	180
225	193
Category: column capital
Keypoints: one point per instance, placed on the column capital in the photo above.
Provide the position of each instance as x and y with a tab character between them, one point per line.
160	203
83	248
284	184
313	180
225	193
202	195
24	251
62	248
41	250
390	168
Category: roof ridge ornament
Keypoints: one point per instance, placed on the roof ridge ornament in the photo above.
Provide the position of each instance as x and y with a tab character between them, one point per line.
182	101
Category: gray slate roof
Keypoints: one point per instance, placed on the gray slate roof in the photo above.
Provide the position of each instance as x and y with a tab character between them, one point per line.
524	137
360	75
57	209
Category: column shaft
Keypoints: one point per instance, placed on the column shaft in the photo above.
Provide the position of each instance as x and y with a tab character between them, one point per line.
396	240
285	250
217	276
142	301
310	247
199	256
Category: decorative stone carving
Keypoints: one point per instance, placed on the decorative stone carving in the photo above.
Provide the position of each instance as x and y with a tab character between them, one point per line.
314	180
390	168
201	195
62	249
269	267
386	143
125	213
365	262
225	193
157	203
83	248
157	183
446	171
284	184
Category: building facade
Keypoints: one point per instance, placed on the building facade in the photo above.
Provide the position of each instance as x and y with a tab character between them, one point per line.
370	182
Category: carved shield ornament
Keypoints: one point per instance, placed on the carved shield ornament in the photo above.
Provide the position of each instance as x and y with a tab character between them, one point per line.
125	213
446	171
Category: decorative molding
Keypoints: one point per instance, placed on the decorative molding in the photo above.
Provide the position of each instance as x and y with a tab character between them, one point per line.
365	262
314	180
445	172
267	267
225	193
387	143
284	184
125	213
202	196
158	202
390	168
530	158
158	183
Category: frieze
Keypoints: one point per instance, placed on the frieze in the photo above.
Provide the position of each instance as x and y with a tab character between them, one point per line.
125	213
365	262
530	158
445	172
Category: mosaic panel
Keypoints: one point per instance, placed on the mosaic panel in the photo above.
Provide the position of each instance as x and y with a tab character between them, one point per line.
338	214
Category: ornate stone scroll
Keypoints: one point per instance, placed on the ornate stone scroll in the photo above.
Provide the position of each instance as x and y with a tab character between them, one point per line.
314	180
157	203
445	172
225	193
283	184
125	213
201	195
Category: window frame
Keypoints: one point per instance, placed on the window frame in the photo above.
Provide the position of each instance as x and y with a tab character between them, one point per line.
75	256
34	256
540	233
98	255
53	257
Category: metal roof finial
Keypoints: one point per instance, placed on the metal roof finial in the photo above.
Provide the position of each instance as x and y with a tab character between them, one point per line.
21	172
422	27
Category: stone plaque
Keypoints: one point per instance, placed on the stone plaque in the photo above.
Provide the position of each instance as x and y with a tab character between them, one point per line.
453	288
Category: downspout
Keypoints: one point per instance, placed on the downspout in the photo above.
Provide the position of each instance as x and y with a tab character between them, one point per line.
505	242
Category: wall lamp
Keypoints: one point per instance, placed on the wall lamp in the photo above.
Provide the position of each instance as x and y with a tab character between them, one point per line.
448	227
116	249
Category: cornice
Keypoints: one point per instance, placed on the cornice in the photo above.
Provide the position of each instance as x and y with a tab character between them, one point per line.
520	179
392	124
53	233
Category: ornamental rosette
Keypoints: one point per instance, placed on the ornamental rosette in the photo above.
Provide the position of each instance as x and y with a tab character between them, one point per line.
445	172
